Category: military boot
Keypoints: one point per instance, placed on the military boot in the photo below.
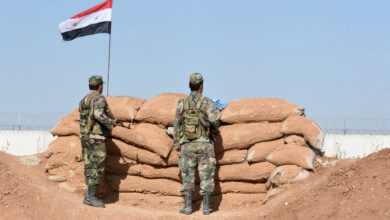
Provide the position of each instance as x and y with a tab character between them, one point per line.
187	209
206	204
91	198
87	196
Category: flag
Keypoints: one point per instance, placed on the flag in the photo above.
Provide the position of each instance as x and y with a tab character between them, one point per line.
92	21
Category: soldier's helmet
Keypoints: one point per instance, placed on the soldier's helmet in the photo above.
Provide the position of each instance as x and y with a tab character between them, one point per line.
196	78
95	80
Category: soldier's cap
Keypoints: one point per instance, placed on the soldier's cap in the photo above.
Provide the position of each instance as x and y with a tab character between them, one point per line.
95	80
196	78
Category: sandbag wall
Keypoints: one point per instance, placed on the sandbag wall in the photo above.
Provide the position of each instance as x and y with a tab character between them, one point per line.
262	143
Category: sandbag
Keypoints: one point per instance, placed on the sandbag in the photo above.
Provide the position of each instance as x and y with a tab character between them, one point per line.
119	148
160	109
148	136
295	139
241	136
240	187
285	175
126	183
129	183
150	172
259	152
64	161
64	151
309	129
291	154
173	159
258	110
231	157
117	165
68	125
124	108
258	172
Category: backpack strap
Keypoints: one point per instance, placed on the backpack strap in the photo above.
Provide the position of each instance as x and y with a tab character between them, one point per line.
196	108
200	102
186	104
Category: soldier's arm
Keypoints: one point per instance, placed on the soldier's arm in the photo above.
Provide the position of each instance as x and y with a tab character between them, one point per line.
176	126
212	114
99	113
109	113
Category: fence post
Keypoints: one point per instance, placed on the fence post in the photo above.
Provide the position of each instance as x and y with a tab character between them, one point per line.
19	122
345	126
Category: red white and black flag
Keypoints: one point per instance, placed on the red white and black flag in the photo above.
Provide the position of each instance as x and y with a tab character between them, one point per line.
92	21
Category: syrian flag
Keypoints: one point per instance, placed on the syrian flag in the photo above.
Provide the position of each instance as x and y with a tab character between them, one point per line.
92	21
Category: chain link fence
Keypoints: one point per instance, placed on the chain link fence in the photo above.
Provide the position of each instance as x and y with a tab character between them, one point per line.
369	126
331	125
29	121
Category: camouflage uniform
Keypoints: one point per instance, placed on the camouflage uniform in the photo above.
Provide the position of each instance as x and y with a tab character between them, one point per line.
96	120
199	151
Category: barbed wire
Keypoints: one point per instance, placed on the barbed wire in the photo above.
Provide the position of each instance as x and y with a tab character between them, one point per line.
331	125
349	125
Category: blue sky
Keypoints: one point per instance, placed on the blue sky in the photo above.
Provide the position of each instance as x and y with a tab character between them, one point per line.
331	57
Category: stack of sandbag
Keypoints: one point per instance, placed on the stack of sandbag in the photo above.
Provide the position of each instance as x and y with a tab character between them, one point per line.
262	143
273	131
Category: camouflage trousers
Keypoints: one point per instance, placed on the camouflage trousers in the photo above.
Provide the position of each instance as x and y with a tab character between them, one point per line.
94	153
201	153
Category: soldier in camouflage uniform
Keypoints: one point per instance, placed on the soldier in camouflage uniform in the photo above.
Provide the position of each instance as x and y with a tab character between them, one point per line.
195	115
96	120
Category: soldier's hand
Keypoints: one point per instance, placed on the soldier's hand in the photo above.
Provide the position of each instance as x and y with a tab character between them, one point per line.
117	123
175	145
178	151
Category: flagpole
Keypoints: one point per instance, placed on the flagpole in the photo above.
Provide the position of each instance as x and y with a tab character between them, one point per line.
109	57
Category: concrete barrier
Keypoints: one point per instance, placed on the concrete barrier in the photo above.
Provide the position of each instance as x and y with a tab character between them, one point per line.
23	143
354	146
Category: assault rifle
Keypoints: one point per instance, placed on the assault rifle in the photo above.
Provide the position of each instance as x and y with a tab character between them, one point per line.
120	124
213	133
117	123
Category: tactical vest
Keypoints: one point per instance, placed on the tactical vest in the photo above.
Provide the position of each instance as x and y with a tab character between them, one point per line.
88	124
193	119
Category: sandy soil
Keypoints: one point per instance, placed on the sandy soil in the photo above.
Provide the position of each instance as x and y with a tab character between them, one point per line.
353	189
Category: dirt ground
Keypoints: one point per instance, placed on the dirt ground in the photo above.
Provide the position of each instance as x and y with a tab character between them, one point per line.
353	189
